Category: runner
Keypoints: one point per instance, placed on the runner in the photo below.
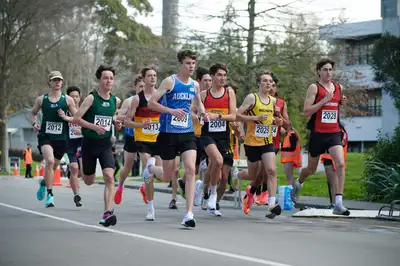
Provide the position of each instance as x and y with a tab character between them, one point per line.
176	131
257	111
130	149
96	116
322	104
52	132
204	79
74	148
330	169
146	123
220	104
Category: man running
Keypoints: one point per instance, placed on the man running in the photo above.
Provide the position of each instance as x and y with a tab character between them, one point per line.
130	149
53	131
74	147
147	124
330	169
322	104
96	116
204	79
257	111
176	129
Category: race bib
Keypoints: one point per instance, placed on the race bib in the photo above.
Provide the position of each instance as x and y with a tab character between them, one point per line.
180	121
217	126
153	128
72	135
274	131
262	131
55	128
104	121
329	116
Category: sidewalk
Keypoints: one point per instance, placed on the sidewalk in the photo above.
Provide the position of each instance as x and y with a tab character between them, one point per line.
305	201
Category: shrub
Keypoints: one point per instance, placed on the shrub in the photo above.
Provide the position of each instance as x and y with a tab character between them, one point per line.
381	177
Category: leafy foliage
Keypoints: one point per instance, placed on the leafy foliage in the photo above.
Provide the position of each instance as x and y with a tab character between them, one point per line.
386	63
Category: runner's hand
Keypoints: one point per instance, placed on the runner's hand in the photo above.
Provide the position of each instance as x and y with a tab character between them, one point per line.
36	128
61	113
178	113
261	117
147	123
77	132
328	97
100	130
206	117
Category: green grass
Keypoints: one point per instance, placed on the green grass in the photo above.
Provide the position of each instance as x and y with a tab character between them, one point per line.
22	169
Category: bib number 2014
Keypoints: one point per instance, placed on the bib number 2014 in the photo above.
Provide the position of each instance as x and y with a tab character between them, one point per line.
262	131
329	117
217	126
180	121
55	128
104	121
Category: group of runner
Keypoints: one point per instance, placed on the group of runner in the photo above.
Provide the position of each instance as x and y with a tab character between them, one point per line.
197	120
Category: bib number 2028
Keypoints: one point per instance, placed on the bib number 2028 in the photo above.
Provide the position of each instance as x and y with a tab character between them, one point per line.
329	117
104	121
180	121
55	128
262	131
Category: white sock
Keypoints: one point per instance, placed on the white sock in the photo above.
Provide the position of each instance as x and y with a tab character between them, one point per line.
189	215
150	205
338	199
290	186
272	201
213	190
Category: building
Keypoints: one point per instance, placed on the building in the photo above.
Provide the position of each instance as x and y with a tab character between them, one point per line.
357	40
20	131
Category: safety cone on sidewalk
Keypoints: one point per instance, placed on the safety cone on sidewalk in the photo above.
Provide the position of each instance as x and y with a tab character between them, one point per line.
16	170
41	171
236	149
57	177
37	173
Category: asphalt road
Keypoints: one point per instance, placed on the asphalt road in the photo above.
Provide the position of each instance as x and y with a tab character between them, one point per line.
66	235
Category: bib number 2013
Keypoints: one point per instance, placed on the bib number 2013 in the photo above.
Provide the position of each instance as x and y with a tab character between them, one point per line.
329	117
262	131
180	121
104	121
151	129
55	128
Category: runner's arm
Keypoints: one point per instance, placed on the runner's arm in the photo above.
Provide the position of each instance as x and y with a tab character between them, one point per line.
71	109
35	109
247	104
231	117
165	86
309	107
124	109
199	103
82	111
131	112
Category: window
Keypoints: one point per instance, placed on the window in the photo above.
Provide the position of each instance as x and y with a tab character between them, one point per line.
358	54
375	106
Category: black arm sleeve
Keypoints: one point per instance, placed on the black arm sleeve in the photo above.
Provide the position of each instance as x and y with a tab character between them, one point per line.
293	143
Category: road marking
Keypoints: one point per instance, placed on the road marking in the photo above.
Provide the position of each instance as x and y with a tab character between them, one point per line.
153	239
387	227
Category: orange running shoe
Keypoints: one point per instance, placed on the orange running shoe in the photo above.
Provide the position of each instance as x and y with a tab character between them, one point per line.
143	192
118	195
264	198
244	205
258	200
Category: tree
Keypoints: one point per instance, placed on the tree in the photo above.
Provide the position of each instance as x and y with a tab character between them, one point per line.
386	64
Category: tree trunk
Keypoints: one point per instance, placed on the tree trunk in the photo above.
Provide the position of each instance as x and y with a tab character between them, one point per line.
3	127
250	40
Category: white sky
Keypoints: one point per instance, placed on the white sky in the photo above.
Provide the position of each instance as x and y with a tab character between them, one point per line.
193	13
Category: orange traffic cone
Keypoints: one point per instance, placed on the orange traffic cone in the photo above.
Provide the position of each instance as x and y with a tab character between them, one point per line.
57	177
236	150
37	174
41	171
16	170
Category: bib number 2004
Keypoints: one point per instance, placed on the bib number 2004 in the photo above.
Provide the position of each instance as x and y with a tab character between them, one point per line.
329	117
180	121
104	121
217	126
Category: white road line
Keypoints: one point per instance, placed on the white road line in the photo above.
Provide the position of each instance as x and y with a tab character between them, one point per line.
153	239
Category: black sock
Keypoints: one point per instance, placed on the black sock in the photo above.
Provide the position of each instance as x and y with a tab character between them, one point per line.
253	190
206	196
43	184
264	187
50	191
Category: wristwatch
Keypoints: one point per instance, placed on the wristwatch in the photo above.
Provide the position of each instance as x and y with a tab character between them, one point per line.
219	117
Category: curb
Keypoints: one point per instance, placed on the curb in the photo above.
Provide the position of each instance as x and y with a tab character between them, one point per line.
298	205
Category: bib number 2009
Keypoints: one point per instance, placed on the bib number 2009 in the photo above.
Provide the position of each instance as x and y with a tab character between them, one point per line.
55	128
180	121
329	117
104	121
